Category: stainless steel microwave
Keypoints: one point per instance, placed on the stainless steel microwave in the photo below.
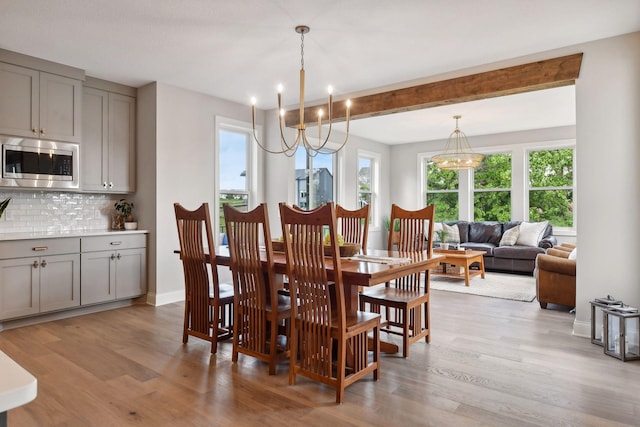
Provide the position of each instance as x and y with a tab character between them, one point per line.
32	163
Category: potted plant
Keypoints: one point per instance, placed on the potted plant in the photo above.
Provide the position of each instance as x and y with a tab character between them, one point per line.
441	236
3	205
125	213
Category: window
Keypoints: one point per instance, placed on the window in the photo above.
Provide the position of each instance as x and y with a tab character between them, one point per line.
551	187
492	189
233	170
441	190
368	164
314	179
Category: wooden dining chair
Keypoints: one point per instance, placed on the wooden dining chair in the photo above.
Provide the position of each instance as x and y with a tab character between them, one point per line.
406	302
353	225
259	309
208	307
321	329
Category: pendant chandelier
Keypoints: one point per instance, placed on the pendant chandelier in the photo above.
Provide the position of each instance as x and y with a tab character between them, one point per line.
289	149
457	153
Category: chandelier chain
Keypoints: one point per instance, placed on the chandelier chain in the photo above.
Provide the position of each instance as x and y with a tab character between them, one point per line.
302	50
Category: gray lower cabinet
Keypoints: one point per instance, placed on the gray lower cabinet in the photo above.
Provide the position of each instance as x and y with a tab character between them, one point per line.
113	267
46	279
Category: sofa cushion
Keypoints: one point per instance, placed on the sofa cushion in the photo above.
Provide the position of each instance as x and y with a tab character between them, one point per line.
486	247
485	232
573	255
531	233
463	229
518	252
453	233
510	237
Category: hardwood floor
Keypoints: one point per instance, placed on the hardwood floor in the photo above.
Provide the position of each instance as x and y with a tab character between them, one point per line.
490	362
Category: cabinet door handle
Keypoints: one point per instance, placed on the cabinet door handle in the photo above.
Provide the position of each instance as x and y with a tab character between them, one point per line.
104	184
35	131
118	256
35	264
116	243
43	264
39	248
113	256
42	131
111	185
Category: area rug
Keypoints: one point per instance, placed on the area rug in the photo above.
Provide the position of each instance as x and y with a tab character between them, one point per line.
495	285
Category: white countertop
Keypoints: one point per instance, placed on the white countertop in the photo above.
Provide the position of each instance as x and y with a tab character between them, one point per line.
57	234
17	386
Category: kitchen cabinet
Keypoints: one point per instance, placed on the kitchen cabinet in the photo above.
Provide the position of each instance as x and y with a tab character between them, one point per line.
39	276
36	104
113	267
108	143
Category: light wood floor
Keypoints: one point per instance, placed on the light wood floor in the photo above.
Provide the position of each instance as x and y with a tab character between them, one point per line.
490	362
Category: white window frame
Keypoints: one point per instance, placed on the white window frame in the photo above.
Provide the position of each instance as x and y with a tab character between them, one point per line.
374	209
559	231
252	169
463	200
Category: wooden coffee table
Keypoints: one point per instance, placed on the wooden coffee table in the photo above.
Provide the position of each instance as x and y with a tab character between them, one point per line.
460	258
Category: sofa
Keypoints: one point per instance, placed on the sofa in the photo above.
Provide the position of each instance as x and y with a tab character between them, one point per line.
555	274
509	246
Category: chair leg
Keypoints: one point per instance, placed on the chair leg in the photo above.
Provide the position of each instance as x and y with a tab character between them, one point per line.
376	352
405	331
236	321
213	315
543	304
185	335
341	373
293	354
273	348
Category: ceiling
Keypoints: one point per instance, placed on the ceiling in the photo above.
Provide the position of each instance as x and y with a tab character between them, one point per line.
243	48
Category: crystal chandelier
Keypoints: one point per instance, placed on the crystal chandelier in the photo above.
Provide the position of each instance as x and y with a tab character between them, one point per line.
312	149
457	153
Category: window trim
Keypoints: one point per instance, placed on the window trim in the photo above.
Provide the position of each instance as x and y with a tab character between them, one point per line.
253	168
376	159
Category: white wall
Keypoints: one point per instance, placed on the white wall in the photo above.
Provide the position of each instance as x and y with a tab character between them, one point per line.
177	167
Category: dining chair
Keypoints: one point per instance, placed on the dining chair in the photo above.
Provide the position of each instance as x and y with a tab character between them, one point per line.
259	310
353	225
406	302
208	307
321	329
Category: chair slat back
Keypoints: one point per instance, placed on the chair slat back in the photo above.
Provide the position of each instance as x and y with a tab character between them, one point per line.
303	234
253	285
194	234
354	225
415	232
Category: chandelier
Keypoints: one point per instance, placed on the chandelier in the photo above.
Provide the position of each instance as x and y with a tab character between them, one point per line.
312	149
457	153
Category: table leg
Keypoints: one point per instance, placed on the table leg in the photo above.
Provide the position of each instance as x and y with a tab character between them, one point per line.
482	266
466	273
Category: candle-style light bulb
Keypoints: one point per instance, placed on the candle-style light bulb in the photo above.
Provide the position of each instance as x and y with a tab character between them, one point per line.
330	89
253	100
320	112
282	112
280	88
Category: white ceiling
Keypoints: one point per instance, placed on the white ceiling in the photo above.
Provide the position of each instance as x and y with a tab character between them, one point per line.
243	48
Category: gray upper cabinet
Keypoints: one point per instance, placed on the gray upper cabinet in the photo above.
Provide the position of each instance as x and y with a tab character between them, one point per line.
39	105
108	142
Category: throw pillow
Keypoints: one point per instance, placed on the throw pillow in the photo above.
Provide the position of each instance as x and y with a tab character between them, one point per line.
573	255
531	233
453	233
510	237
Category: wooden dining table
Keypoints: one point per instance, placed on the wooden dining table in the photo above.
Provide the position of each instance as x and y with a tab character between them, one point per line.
374	268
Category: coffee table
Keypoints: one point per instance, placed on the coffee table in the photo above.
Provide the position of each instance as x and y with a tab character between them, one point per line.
460	258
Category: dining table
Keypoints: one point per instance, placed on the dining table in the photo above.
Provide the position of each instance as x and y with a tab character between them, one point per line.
370	269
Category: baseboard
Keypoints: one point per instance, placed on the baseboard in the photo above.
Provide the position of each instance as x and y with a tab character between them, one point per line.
65	314
582	329
165	298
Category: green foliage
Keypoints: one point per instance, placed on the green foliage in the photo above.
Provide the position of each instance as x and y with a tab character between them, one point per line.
440	179
125	208
493	172
492	206
556	206
446	205
3	206
551	168
441	235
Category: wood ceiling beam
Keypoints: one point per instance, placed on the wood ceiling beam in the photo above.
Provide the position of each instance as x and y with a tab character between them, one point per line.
545	74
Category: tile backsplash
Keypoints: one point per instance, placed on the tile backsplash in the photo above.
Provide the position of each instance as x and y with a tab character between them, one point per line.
52	211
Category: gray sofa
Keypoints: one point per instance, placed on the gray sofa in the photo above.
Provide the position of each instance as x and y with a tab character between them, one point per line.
486	236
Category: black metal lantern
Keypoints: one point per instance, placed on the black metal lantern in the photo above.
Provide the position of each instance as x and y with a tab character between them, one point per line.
622	332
